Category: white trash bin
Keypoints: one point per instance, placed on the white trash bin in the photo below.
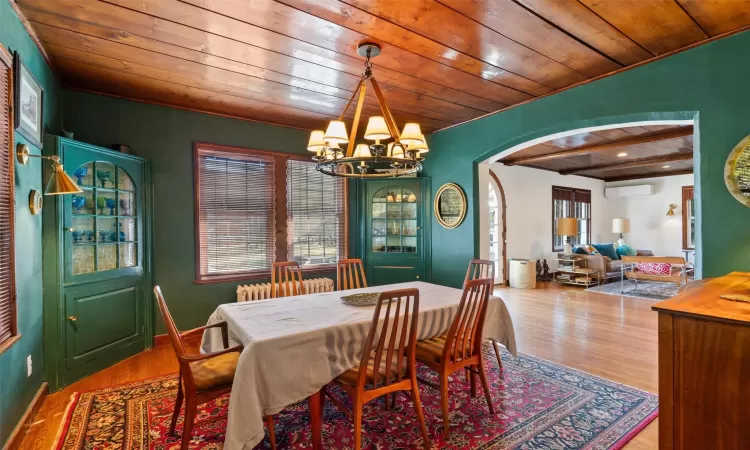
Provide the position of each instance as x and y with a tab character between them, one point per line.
523	273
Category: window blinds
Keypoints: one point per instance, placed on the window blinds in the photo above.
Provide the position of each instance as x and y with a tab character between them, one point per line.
316	215
7	222
236	195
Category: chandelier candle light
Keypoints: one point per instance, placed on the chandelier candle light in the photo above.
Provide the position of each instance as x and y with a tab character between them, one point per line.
401	157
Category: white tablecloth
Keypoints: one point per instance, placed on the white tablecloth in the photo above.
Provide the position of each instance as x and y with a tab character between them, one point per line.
296	345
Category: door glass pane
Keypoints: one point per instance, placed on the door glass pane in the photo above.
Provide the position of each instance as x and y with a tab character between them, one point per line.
83	259
105	174
124	181
106	256
83	203
410	211
394	210
106	203
378	210
106	229
408	196
394	194
126	204
127	230
84	175
409	245
128	256
380	196
83	230
378	244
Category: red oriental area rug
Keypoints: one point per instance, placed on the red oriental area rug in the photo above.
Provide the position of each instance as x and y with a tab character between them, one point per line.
539	405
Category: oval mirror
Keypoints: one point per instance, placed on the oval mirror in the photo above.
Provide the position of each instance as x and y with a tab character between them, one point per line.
450	205
737	172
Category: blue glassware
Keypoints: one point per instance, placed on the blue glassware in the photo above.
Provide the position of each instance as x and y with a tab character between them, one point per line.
103	235
89	235
117	236
77	236
80	173
79	202
111	205
103	176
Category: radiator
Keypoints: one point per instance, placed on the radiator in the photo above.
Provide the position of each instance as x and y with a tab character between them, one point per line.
262	291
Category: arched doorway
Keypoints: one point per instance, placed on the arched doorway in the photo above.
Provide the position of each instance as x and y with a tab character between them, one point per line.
497	228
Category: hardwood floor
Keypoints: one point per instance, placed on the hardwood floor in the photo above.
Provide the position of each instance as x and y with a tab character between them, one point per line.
605	335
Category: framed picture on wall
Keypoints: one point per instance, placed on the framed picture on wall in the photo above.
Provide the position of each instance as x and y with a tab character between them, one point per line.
28	104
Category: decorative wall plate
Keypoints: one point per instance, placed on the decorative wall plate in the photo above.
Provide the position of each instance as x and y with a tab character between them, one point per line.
737	172
450	205
36	201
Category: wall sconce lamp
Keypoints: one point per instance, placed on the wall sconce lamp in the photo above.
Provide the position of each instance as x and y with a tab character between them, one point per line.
59	182
672	207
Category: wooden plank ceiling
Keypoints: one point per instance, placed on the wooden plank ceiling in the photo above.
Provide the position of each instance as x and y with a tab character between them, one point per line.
615	154
294	62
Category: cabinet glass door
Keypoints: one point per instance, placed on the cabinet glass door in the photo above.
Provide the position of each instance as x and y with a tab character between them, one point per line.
103	235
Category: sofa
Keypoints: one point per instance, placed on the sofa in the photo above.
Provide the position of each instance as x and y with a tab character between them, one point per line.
608	268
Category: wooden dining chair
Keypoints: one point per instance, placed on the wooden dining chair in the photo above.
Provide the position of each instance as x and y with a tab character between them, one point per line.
203	377
478	269
286	279
350	274
388	363
461	347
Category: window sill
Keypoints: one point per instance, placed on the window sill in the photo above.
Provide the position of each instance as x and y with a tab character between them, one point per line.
264	275
9	343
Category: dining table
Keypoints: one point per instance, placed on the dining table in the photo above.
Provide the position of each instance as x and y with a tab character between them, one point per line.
294	346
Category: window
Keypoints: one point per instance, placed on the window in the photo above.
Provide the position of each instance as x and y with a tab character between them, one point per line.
688	218
494	241
257	207
7	222
569	202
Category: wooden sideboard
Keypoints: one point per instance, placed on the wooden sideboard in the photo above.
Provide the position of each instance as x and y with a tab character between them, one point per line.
704	366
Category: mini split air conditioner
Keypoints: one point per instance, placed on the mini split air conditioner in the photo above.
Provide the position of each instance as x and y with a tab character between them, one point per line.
629	191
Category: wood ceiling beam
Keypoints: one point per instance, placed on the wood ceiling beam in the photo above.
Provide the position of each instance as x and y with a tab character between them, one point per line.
642	139
649	175
631	164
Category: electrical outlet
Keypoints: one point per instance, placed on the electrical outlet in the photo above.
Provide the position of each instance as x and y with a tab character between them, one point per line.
28	366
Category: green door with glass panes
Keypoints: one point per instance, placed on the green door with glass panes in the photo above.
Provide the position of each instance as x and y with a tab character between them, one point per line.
394	235
102	267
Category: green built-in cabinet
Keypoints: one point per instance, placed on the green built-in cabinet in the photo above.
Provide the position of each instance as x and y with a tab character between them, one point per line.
97	266
395	230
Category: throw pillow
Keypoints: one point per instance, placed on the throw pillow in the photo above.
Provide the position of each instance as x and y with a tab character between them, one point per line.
607	250
626	250
592	250
581	250
654	268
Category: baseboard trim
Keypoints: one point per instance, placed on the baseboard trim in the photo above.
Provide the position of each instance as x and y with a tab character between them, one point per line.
163	339
15	438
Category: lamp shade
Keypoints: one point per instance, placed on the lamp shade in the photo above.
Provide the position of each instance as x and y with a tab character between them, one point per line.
621	225
567	226
60	182
361	151
411	134
377	129
336	133
420	147
316	141
396	150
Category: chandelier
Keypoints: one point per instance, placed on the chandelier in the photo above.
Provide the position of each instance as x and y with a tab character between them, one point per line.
401	157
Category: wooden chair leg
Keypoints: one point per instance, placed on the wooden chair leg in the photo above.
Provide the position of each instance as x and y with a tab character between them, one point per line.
444	403
357	419
271	432
420	413
177	408
191	407
497	353
316	419
485	385
473	377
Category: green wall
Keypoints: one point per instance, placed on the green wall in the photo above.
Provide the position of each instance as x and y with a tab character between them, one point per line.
16	389
165	136
708	83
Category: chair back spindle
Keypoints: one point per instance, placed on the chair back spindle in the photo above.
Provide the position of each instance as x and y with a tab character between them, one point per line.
286	279
392	337
350	274
464	339
480	268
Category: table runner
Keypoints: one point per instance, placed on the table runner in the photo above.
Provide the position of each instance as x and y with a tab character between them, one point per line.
296	345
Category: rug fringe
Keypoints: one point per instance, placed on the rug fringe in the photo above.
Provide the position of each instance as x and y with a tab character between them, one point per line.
66	419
